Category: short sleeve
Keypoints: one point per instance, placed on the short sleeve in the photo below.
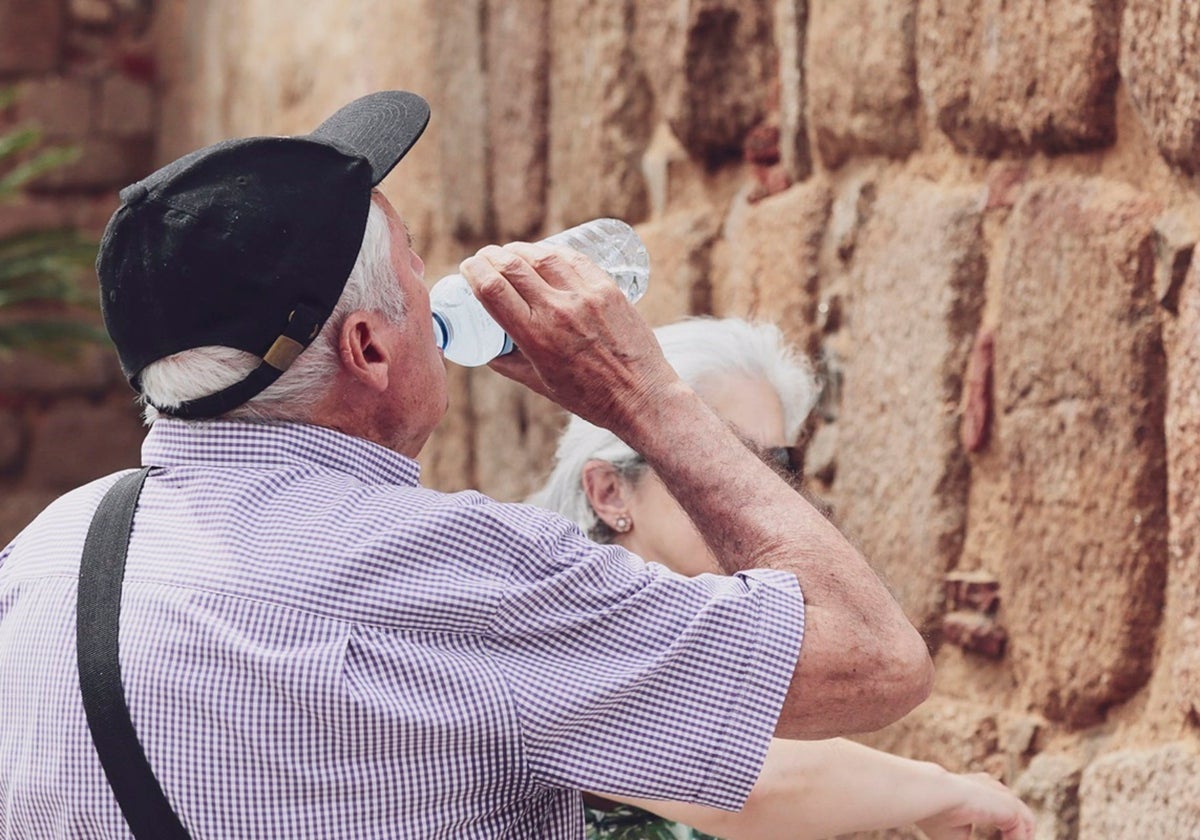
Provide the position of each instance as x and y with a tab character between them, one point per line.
631	679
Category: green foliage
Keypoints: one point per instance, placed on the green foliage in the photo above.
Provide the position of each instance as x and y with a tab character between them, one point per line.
40	270
624	822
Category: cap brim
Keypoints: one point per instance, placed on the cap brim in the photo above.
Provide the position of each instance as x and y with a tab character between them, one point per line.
380	127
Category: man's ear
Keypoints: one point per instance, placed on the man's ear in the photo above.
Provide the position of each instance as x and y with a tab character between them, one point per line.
362	352
607	492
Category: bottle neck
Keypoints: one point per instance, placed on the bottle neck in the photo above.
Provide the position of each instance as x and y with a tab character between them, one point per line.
441	331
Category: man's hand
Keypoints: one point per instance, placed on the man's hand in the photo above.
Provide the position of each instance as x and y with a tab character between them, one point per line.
581	343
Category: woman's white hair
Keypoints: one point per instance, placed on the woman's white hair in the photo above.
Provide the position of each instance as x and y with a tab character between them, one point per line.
701	350
184	376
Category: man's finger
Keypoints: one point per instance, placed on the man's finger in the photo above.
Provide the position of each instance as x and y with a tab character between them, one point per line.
561	268
516	367
495	289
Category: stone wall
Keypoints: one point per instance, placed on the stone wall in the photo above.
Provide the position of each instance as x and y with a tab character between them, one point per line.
85	73
979	217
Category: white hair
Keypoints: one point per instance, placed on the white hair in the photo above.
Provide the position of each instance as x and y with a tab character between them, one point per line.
194	373
701	350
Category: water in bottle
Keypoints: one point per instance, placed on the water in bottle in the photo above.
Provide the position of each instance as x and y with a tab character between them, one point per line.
468	335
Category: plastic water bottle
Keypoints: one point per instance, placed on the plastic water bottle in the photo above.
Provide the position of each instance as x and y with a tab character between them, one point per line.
466	332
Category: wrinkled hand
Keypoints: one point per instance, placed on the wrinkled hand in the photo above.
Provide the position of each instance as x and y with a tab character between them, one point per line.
985	803
581	343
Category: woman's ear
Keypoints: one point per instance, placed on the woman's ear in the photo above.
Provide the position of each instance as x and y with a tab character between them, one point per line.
608	493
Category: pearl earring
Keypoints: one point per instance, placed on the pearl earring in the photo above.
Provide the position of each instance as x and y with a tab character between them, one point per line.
623	524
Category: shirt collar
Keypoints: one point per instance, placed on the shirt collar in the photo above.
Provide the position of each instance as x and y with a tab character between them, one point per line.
255	445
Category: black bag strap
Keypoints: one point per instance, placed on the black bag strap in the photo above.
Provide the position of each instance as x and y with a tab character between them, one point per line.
97	628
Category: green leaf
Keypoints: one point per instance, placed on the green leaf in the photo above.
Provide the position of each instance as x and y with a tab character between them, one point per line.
26	171
18	140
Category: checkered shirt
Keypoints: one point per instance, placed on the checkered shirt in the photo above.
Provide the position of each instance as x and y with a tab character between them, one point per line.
315	646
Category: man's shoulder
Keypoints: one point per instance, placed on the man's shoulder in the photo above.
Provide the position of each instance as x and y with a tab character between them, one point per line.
59	530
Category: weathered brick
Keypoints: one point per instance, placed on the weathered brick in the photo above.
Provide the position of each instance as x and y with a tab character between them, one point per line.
915	294
30	36
1159	42
104	163
518	98
601	114
1020	75
862	86
77	440
1079	453
1142	793
12	440
61	107
769	265
19	507
93	370
126	107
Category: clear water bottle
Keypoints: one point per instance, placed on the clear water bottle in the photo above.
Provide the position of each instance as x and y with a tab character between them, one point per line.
466	332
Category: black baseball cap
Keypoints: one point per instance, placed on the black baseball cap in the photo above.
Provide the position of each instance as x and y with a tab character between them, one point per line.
248	243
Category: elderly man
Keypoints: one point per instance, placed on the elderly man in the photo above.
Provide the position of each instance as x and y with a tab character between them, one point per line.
275	631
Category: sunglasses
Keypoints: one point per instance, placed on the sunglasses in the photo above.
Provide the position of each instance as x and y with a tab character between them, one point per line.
786	459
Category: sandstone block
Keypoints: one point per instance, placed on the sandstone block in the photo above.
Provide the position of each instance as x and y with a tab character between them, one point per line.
78	440
1021	75
1159	39
680	247
914	297
963	737
770	260
1050	787
724	65
1182	622
1080	383
601	114
1135	793
126	107
463	134
1176	233
30	36
862	86
518	96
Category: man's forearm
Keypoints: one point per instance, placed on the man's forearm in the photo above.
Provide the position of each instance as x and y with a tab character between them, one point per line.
866	663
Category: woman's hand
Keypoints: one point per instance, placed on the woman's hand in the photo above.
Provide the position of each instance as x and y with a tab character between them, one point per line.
985	802
809	790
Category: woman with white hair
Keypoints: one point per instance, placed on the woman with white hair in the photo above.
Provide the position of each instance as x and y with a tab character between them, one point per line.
807	789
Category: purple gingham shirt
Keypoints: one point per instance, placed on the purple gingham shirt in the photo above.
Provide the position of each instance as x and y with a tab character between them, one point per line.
313	645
